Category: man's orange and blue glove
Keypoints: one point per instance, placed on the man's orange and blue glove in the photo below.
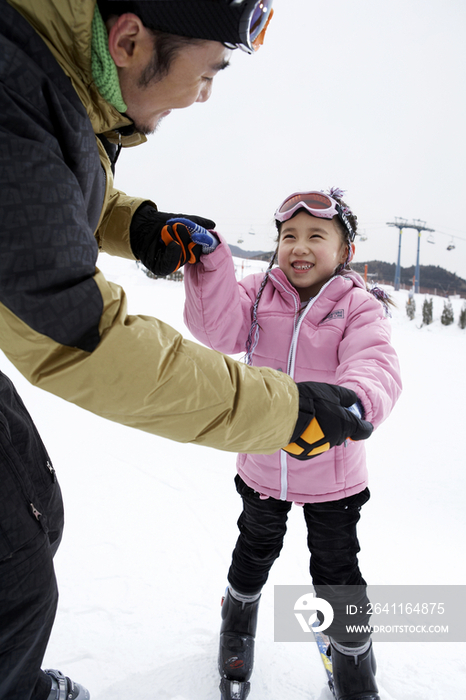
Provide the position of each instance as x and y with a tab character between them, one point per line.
328	415
165	242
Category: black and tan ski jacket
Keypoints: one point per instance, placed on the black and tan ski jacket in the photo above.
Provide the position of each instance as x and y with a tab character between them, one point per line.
62	324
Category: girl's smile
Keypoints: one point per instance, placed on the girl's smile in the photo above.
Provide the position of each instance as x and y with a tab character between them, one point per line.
301	266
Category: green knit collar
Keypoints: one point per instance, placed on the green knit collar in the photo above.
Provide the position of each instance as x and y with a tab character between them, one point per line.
104	70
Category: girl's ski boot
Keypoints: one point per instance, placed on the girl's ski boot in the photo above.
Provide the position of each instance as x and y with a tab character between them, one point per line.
236	651
354	674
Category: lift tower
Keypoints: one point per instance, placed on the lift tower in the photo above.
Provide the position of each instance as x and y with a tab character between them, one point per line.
419	226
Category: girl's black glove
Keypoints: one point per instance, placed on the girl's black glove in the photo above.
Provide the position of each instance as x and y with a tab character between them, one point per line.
324	420
164	247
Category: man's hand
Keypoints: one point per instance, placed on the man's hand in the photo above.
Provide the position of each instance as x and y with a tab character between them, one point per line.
324	420
161	246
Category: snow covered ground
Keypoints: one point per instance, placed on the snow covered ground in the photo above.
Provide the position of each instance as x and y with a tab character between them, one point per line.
151	525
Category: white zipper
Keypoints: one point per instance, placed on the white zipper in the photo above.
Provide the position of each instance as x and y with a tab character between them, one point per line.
290	370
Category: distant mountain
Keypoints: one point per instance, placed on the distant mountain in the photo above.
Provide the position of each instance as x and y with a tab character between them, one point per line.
249	254
432	277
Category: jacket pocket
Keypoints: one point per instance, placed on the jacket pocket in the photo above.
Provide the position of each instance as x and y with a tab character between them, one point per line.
21	517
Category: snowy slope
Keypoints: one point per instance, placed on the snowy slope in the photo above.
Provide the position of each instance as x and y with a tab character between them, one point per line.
151	525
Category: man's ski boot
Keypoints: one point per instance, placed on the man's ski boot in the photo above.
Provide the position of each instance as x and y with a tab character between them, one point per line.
353	674
64	689
236	651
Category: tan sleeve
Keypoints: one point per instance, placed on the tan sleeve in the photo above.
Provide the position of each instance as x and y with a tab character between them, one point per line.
112	235
144	374
113	230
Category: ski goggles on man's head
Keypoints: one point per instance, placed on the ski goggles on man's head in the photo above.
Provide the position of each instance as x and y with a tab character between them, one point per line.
255	27
316	203
234	23
254	18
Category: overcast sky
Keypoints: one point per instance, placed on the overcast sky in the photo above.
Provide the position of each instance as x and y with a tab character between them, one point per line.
363	94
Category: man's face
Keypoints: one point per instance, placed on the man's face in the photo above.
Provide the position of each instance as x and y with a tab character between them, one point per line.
189	79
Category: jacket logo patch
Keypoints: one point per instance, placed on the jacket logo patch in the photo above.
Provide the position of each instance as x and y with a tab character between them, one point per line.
334	315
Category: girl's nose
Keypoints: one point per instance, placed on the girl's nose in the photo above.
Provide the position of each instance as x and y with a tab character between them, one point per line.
301	247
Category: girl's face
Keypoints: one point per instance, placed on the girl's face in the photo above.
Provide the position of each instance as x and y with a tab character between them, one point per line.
309	251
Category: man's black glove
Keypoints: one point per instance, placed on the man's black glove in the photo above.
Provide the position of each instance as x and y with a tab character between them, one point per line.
163	247
324	420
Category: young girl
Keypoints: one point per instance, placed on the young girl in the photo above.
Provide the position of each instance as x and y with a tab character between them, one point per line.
313	318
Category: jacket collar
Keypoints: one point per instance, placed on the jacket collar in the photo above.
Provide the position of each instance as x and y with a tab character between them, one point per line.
338	287
66	29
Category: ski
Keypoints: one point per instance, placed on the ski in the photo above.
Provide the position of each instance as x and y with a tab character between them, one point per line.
234	690
323	644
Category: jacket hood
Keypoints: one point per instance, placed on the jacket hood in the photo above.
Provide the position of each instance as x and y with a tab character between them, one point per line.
66	28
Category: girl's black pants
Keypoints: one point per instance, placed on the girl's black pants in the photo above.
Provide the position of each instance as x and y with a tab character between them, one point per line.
332	542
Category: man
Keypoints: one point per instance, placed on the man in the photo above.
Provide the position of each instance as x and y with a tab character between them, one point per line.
78	81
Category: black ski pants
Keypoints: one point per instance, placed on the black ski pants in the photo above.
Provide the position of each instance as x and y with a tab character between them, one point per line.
333	544
31	525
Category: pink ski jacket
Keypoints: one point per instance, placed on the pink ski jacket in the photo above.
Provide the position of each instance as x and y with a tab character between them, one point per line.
341	337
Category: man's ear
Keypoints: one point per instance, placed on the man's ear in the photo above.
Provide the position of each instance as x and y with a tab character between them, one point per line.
124	32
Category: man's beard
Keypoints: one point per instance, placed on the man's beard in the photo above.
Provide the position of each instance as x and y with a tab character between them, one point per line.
145	128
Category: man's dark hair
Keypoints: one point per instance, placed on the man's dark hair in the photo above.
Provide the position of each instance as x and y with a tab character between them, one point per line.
166	46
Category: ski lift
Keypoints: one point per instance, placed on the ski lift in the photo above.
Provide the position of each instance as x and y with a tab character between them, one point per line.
252	232
451	245
362	238
431	239
240	240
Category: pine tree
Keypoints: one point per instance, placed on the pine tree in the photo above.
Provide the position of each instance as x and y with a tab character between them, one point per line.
462	319
427	311
447	316
410	308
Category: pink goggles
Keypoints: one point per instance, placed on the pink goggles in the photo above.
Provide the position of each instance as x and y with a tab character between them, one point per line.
316	203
